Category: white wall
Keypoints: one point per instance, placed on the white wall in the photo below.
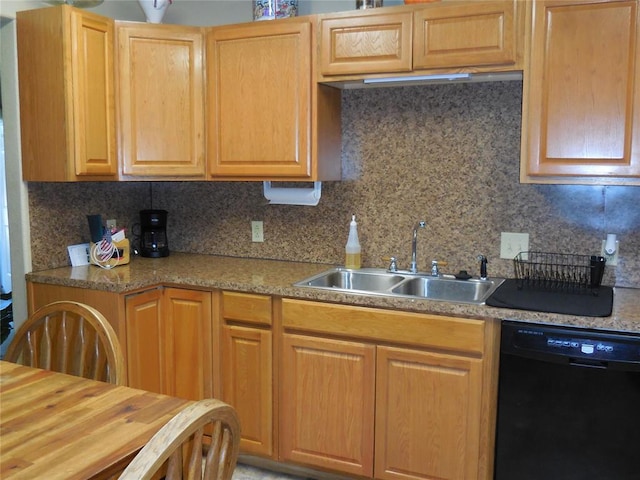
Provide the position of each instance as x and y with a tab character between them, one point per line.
5	259
191	12
18	205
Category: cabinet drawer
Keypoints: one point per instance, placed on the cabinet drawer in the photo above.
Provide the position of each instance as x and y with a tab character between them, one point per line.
465	36
449	333
367	44
246	307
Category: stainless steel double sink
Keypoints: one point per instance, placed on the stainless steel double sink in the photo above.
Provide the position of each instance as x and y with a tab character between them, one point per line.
373	281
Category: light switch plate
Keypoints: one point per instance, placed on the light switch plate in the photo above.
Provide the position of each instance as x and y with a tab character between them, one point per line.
257	232
111	224
513	243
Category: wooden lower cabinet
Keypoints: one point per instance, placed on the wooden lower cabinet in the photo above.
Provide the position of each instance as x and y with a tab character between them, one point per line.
327	403
247	373
145	352
386	394
169	342
362	391
427	415
188	337
166	334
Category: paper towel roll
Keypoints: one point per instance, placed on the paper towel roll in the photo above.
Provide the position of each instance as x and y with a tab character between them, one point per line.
293	196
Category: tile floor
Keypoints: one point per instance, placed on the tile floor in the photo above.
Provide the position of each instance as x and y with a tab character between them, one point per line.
248	472
250	468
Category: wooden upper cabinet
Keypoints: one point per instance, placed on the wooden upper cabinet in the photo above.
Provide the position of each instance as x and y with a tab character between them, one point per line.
472	34
581	115
366	44
161	101
267	119
259	100
65	68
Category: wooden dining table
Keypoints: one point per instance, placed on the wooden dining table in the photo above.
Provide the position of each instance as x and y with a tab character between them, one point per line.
58	426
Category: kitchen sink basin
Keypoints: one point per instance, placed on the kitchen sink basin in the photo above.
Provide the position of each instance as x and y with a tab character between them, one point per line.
374	281
342	279
452	290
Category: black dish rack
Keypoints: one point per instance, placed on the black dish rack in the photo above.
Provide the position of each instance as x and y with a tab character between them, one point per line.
559	271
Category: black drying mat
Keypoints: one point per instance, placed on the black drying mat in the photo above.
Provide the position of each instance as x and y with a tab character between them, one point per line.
585	304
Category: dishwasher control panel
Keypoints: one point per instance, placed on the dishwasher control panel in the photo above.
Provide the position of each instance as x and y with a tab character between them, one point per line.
587	347
566	344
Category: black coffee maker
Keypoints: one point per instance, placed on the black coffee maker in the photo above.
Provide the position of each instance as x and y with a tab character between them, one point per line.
153	233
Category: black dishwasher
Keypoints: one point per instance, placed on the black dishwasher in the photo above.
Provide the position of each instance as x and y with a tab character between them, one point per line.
568	404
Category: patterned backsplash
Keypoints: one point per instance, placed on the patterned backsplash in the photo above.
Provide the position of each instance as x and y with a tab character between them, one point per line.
446	154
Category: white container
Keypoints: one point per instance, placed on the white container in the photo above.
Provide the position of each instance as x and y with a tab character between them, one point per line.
362	4
353	257
272	9
154	10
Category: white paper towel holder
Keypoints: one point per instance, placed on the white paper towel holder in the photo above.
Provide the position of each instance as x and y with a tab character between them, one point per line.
293	196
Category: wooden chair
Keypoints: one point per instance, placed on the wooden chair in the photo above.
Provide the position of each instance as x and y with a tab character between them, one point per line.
69	337
180	444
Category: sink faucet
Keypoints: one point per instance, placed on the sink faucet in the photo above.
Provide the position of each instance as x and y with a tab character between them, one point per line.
414	263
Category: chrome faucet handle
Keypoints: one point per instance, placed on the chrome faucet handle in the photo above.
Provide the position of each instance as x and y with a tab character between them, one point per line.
434	268
393	264
483	266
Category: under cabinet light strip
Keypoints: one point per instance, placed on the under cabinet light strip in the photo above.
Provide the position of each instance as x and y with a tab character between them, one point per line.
451	76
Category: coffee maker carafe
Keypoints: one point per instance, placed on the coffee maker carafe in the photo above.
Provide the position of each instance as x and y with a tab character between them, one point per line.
153	233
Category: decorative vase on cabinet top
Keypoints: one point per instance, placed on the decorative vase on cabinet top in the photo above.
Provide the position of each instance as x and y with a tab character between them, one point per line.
272	9
154	10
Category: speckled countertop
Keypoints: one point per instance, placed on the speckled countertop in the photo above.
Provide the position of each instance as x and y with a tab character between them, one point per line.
272	277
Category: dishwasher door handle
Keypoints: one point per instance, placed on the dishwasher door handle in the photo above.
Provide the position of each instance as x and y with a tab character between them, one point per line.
587	363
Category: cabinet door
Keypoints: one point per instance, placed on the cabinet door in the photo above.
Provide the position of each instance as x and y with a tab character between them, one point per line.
145	351
259	100
65	67
365	44
326	399
93	98
161	100
427	415
468	35
581	106
247	384
247	367
187	343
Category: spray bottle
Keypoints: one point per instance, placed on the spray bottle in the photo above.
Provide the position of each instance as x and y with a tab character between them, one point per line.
352	249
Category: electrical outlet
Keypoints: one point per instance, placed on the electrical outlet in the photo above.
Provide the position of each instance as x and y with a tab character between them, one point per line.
612	260
257	233
513	243
111	224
